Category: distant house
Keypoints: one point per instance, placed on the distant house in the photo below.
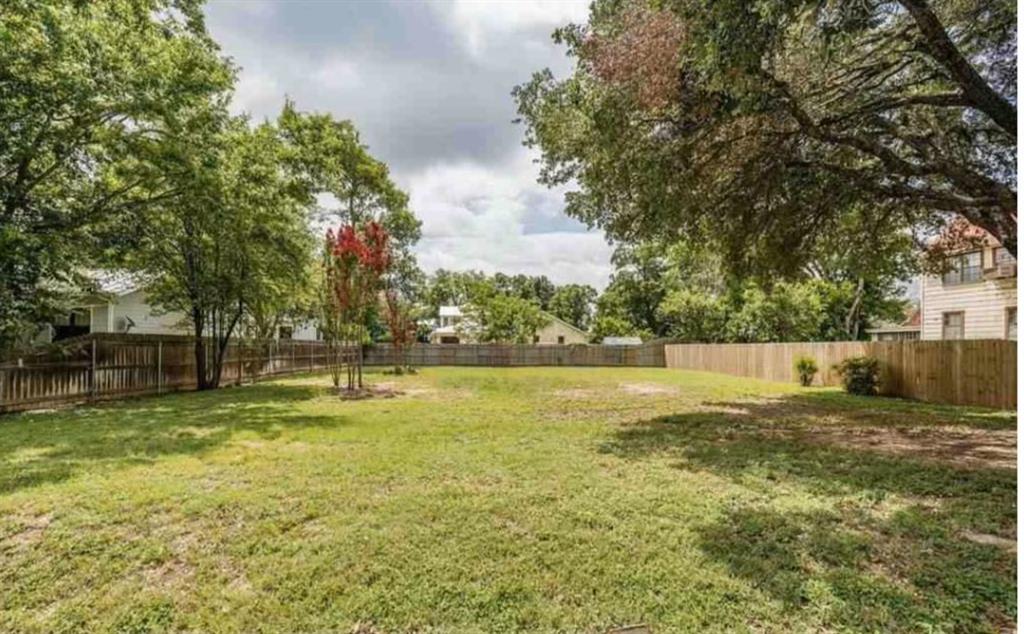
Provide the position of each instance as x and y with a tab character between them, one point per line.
908	330
621	341
448	318
976	298
555	332
558	331
120	306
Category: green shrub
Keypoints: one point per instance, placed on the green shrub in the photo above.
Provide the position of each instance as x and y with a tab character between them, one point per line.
806	368
860	375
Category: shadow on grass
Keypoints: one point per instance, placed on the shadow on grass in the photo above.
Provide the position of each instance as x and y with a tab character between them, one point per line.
51	447
888	552
874	410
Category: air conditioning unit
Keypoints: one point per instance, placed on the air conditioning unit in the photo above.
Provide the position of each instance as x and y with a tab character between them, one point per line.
1006	269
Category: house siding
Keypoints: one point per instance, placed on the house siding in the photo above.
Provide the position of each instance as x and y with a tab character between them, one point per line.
549	334
147	320
983	303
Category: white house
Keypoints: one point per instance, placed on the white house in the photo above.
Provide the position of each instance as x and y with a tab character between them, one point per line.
975	299
120	306
448	319
558	331
907	330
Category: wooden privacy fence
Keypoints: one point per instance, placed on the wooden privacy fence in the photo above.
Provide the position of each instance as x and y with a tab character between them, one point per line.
101	367
109	366
968	372
651	354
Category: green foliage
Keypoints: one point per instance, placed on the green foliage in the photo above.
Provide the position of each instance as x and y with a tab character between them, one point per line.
788	312
615	326
756	126
806	368
860	375
236	245
574	303
696	316
330	158
89	91
501	318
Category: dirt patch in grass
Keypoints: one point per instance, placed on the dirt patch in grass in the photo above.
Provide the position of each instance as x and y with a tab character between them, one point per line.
647	389
576	393
961	447
992	540
168	574
372	391
32	532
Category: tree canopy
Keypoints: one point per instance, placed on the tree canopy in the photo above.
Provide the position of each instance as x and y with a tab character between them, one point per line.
757	126
88	93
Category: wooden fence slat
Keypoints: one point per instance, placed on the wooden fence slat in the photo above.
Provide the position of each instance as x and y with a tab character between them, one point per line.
971	372
106	366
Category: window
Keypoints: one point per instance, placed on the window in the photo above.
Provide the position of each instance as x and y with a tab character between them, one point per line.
1003	257
953	325
536	339
284	332
963	268
1011	323
561	339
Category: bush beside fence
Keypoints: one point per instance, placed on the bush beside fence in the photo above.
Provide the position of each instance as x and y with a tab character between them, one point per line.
968	372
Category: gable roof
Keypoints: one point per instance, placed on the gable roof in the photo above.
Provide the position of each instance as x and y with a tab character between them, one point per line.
563	322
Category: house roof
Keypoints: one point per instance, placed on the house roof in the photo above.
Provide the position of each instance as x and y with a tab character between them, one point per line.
960	236
621	341
116	283
563	322
912	323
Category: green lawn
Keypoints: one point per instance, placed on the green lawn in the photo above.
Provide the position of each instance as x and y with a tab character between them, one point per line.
487	500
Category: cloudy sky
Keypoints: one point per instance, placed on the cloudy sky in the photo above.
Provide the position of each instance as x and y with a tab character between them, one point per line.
428	85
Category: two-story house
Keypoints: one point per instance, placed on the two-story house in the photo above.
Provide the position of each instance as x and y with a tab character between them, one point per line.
976	298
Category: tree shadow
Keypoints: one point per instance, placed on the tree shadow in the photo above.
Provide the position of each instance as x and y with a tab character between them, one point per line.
871	410
40	448
887	545
864	575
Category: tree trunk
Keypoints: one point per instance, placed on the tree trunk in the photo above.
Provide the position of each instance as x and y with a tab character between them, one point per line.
359	355
199	349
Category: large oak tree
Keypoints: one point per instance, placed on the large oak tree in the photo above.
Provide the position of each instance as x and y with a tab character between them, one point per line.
757	125
88	92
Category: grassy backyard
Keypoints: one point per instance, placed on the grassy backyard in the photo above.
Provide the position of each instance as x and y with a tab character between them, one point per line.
526	499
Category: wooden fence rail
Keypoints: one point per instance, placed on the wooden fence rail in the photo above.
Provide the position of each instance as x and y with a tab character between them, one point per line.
109	366
969	372
99	367
651	354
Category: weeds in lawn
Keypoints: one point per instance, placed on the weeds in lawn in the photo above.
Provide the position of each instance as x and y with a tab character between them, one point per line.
537	499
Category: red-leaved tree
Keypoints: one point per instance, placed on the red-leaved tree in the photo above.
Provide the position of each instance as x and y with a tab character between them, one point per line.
401	326
355	261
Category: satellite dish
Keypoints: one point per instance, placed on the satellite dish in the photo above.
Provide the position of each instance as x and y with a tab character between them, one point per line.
128	323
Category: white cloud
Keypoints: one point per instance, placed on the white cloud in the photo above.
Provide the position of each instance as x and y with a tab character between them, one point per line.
474	217
428	87
481	21
257	92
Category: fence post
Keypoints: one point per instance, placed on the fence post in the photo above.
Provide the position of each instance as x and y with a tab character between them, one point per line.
159	367
92	371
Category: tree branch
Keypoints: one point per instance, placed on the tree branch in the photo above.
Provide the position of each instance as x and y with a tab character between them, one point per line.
944	51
